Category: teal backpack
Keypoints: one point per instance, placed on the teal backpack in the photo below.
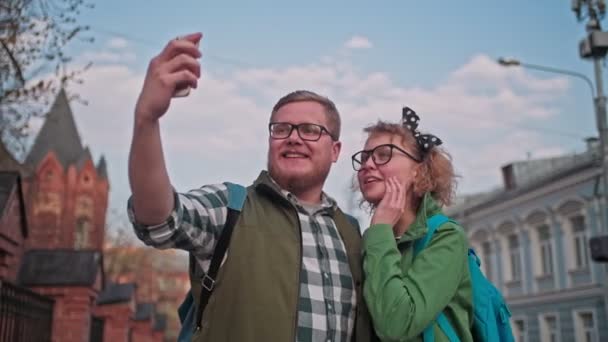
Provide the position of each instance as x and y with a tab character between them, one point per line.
491	314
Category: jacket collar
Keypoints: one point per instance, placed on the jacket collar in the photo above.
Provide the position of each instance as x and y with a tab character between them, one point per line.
428	208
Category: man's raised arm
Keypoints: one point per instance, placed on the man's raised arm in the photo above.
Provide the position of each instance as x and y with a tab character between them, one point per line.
174	68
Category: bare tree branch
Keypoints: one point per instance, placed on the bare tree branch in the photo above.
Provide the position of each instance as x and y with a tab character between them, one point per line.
34	64
16	66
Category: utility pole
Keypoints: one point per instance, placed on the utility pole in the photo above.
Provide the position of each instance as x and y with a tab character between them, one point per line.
595	47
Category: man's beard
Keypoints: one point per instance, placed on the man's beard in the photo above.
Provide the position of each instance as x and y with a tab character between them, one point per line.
299	182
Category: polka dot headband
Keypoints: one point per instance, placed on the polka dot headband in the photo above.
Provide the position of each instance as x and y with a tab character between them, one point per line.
410	121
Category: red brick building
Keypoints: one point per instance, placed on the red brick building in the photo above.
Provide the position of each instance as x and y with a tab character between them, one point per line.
116	305
52	231
161	278
67	193
13	224
125	320
73	279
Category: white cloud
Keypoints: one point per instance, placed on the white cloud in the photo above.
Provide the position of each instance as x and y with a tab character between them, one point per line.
358	42
219	132
117	43
480	166
484	70
116	51
110	57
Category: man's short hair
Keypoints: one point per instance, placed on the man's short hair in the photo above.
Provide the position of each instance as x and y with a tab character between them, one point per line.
331	112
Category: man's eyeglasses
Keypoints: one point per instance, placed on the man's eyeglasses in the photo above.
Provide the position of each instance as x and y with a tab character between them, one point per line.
306	131
381	155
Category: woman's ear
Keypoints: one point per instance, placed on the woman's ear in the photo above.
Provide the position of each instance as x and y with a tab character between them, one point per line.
416	181
417	170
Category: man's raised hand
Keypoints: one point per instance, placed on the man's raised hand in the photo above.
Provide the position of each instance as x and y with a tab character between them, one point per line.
176	67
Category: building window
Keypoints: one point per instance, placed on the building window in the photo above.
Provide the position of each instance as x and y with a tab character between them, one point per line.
519	330
549	329
581	249
515	257
47	202
546	249
486	250
83	229
84	206
585	327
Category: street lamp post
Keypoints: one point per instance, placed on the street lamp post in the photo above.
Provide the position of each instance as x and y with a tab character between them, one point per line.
507	62
599	104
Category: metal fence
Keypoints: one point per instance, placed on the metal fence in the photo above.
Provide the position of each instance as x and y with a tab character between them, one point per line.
24	315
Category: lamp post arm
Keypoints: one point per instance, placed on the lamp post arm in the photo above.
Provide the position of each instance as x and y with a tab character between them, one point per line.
562	71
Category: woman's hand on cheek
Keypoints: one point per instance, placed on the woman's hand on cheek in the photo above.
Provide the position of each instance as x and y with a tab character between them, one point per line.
392	205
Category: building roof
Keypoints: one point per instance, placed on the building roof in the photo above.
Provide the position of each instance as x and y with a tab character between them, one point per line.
575	165
86	155
8	161
144	311
116	293
60	268
58	134
9	180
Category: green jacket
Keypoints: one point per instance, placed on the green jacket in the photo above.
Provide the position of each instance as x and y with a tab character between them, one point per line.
257	289
405	295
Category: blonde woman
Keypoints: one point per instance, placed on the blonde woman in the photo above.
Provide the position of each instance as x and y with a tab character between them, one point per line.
406	178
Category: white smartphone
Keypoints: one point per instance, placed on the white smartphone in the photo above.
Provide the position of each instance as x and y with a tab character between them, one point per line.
185	90
182	91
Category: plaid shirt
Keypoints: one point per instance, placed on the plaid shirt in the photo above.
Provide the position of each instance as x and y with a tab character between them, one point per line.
326	307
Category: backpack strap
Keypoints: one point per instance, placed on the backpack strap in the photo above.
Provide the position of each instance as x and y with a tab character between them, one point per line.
446	327
186	317
428	335
434	222
236	198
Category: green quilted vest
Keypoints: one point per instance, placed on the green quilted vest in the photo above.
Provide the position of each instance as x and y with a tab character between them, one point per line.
256	291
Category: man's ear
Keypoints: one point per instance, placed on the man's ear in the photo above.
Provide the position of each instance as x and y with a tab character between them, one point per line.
335	150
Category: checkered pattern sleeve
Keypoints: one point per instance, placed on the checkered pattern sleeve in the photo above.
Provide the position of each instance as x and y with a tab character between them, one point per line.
194	224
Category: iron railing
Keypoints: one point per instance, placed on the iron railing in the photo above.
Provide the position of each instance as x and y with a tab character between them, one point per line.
24	315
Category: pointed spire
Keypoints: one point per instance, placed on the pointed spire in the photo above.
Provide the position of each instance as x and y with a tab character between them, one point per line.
59	134
102	168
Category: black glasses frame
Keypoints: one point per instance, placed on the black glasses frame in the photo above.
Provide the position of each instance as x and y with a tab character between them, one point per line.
297	128
358	161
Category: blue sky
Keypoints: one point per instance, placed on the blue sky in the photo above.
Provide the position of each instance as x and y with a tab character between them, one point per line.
421	39
370	58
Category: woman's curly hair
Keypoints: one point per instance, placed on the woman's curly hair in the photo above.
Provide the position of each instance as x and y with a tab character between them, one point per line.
435	172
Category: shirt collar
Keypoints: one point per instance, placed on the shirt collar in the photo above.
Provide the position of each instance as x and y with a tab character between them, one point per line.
327	202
